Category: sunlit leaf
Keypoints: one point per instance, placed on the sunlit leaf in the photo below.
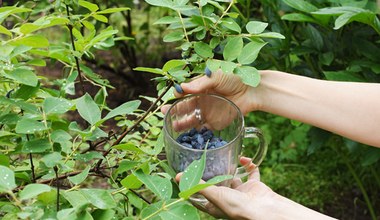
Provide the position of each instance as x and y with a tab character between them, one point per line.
88	109
7	179
160	186
33	190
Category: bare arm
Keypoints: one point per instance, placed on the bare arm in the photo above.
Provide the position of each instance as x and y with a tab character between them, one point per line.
345	108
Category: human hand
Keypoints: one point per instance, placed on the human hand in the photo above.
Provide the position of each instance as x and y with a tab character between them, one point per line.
228	85
241	201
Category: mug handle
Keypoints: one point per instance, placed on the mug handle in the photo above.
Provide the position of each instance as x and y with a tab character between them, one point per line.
252	132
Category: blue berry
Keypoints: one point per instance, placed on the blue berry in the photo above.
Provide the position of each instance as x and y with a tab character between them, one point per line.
207	72
187	145
217	49
178	88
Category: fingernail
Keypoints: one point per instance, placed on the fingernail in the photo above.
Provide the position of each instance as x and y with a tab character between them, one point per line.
178	88
207	72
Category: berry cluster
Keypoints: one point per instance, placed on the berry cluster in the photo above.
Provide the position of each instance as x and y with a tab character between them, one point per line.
200	139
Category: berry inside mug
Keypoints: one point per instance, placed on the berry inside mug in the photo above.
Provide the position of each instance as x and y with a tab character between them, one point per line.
200	122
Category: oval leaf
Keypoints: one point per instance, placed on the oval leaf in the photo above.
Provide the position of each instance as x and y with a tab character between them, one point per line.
79	178
250	52
88	109
160	186
233	48
193	173
7	179
256	27
203	49
53	105
33	190
123	109
23	76
249	75
29	126
100	198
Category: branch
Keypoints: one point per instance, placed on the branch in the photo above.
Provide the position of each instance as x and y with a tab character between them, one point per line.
128	130
73	45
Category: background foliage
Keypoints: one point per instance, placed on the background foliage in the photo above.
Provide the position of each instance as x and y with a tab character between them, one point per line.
80	126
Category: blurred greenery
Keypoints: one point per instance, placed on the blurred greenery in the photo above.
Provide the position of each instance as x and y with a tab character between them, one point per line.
324	39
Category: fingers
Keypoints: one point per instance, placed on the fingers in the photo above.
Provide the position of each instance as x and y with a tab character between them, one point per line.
201	84
254	175
165	108
236	182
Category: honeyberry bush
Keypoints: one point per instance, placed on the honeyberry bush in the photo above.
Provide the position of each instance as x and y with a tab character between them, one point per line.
58	158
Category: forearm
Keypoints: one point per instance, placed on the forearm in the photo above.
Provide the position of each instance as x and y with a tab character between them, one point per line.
286	209
348	109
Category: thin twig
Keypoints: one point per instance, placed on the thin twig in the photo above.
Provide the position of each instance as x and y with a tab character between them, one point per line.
57	185
73	45
31	164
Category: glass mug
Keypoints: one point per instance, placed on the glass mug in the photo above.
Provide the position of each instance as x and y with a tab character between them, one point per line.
226	121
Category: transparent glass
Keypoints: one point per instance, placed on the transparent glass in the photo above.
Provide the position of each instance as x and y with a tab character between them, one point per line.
226	121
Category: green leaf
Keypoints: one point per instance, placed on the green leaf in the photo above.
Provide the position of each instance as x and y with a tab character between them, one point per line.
167	20
213	64
128	147
193	173
7	179
215	180
250	52
149	70
101	18
271	35
181	212
108	214
175	210
37	62
162	3
53	105
173	36
79	178
203	49
131	182
88	109
4	160
30	126
33	190
25	92
233	48
3	30
301	5
113	10
171	64
36	146
227	66
100	198
256	27
123	109
90	6
23	76
298	17
52	159
343	76
160	186
249	75
231	24
60	136
36	41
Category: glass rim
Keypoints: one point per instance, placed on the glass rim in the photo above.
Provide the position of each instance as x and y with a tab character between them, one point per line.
240	115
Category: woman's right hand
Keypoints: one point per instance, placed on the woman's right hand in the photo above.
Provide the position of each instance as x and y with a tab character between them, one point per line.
227	85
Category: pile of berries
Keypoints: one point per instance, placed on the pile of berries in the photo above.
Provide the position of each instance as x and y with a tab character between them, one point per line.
200	139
